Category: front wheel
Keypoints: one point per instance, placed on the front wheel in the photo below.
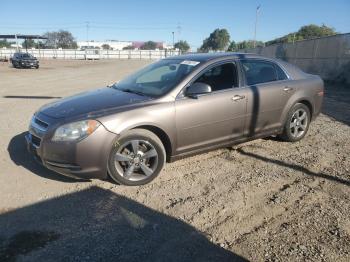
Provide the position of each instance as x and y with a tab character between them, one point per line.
297	123
136	158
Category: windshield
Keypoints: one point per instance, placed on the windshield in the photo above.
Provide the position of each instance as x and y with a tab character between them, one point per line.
27	56
158	78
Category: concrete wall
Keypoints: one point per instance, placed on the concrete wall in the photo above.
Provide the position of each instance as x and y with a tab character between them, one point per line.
328	57
92	54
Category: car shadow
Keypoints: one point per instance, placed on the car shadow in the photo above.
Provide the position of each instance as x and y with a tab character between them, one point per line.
98	225
21	157
295	167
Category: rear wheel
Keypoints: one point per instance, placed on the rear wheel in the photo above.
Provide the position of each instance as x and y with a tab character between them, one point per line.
297	123
136	158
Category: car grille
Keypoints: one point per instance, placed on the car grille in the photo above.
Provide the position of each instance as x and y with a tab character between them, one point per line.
41	123
36	140
37	129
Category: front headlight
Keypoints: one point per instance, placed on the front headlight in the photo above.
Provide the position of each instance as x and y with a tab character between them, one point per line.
75	131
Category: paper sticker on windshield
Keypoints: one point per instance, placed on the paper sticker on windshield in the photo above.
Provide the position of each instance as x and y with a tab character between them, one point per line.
190	63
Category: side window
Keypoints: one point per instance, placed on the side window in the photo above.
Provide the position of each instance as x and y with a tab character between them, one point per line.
258	71
281	75
220	77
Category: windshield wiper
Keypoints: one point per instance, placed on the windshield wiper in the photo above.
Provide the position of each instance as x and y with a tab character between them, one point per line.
131	91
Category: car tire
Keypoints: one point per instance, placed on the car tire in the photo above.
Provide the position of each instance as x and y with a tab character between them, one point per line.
297	123
137	157
37	67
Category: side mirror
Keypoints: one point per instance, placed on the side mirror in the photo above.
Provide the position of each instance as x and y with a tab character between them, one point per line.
198	89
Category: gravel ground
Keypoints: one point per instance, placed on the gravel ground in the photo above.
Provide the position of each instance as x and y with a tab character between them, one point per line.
264	200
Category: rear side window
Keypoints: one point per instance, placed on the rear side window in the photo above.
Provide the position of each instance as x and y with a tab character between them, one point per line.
258	71
281	75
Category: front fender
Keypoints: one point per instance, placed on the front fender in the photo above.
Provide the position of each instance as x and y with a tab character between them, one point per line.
160	115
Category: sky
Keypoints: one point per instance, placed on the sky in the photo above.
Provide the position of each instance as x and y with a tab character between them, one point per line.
155	20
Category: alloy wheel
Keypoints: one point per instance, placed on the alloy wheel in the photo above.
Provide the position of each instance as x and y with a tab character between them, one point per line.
298	123
136	160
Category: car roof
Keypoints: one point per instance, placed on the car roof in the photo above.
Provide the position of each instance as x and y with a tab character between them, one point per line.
202	57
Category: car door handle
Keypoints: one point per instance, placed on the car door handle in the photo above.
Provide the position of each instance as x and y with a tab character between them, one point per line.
287	89
237	97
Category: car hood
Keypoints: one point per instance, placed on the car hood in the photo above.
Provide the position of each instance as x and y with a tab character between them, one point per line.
92	102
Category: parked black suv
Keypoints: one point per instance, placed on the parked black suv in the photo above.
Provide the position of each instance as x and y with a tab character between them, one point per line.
24	60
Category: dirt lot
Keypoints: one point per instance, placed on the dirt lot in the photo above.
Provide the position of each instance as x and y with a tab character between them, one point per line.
261	201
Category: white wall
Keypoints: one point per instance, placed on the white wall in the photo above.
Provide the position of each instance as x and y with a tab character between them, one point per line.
92	54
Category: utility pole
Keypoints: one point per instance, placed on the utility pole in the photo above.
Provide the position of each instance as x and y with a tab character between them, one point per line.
256	22
87	33
178	31
173	39
16	42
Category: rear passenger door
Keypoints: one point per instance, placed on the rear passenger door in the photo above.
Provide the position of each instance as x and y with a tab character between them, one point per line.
268	91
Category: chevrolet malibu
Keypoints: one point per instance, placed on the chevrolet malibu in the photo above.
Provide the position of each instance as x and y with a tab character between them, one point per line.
173	108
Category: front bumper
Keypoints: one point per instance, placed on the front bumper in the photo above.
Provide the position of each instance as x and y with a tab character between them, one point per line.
29	64
85	159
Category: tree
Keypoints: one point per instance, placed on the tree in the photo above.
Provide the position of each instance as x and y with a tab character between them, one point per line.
248	44
129	47
219	39
183	46
149	45
5	43
28	43
304	33
61	39
314	31
232	47
40	45
106	47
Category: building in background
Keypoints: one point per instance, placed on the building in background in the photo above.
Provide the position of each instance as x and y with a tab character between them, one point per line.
114	44
118	45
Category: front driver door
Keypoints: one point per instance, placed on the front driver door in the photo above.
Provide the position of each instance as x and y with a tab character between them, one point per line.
212	118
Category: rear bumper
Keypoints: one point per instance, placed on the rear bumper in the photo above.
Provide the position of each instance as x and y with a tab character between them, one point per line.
85	159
